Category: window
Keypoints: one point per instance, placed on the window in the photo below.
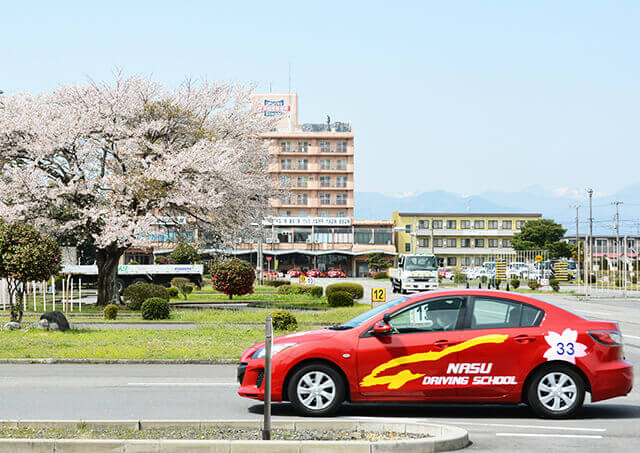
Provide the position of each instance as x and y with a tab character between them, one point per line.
343	235
452	242
432	316
285	213
451	224
302	164
285	147
325	164
507	224
506	242
465	224
520	224
479	243
341	181
302	199
465	261
301	235
477	261
407	228
341	199
341	147
491	313
303	147
285	198
363	236
325	181
322	235
407	247
301	181
478	224
303	213
423	242
451	261
341	214
324	214
437	242
493	243
465	242
382	236
424	224
492	224
325	147
325	198
285	164
341	164
285	181
437	224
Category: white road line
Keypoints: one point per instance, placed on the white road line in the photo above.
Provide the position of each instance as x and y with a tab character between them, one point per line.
505	425
630	336
182	384
568	436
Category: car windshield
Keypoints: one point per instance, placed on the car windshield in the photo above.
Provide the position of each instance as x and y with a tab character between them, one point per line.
355	322
420	263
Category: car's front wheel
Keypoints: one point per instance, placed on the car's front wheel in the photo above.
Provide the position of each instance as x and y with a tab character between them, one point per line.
316	390
556	392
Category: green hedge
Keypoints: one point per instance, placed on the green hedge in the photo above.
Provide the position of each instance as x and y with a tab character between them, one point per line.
284	320
155	308
355	289
315	291
135	295
380	275
515	283
276	283
340	299
111	311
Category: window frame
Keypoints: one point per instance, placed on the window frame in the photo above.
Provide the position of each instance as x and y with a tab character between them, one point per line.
470	305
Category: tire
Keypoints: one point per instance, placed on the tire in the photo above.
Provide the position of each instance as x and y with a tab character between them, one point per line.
305	381
564	404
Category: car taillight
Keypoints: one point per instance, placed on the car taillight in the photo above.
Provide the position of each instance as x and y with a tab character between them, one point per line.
606	337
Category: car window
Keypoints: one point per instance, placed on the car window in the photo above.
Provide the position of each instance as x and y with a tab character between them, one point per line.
431	316
489	313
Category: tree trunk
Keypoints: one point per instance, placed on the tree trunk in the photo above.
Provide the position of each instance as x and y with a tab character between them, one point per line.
107	262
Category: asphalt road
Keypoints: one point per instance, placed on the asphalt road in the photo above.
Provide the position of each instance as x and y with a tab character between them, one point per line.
209	392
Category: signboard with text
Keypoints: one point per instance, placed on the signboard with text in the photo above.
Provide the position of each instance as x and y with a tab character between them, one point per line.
308	221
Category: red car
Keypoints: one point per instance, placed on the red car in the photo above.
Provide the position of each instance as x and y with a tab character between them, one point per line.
449	346
293	273
317	273
336	273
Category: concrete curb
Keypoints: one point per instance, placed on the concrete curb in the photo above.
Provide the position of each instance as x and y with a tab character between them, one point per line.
440	437
119	361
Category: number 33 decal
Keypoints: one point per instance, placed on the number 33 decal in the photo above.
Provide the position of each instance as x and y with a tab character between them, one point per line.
565	348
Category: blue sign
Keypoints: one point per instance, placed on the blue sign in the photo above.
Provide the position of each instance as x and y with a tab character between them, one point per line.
273	108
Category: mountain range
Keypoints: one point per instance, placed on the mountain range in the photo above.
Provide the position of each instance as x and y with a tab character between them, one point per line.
558	204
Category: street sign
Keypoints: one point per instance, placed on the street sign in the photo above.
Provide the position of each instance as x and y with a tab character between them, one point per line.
501	270
378	294
561	271
539	258
268	258
303	279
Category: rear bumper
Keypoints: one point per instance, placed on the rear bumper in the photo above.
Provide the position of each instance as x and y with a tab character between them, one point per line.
614	379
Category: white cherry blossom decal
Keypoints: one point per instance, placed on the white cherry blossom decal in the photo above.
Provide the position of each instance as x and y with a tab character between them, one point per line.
564	346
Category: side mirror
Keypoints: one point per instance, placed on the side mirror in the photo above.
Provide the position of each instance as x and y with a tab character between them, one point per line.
386	318
381	328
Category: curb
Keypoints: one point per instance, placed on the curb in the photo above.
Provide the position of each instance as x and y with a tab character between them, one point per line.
437	437
120	361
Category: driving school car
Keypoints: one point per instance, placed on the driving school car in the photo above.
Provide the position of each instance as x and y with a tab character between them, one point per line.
448	346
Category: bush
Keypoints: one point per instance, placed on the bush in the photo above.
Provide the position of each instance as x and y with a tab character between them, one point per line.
484	279
183	285
634	279
533	284
284	320
515	283
174	293
380	275
618	282
155	308
293	289
233	277
276	283
111	311
497	283
133	263
555	284
160	259
135	295
184	253
355	289
340	299
459	277
317	291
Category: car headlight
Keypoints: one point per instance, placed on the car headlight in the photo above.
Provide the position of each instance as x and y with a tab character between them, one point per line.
259	354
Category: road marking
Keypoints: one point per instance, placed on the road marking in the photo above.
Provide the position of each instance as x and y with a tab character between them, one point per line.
182	384
505	425
630	336
568	436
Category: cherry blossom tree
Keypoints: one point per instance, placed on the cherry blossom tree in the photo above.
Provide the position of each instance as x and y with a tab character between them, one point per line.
101	162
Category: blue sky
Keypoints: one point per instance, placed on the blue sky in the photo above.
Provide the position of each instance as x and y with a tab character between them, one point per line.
464	96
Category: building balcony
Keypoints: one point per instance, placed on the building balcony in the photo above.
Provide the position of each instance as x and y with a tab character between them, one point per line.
317	186
312	203
311	151
467	250
465	233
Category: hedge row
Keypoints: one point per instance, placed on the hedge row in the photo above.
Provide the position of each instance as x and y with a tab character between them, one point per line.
355	289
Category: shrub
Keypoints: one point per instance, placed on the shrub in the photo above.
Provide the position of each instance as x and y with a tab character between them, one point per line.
497	283
174	293
483	279
293	289
355	289
618	282
533	284
317	291
233	277
183	285
184	253
340	299
133	263
276	283
459	277
111	311
160	259
380	275
555	284
155	308
515	283
284	320
634	279
135	295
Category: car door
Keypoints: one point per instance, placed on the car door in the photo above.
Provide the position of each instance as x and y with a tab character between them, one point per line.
505	339
411	362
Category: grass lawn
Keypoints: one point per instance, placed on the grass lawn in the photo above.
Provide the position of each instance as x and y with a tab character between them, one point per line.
251	297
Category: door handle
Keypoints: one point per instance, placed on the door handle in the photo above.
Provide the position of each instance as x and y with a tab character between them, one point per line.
444	343
524	338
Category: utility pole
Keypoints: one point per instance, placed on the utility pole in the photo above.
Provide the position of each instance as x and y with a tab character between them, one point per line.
577	206
617	205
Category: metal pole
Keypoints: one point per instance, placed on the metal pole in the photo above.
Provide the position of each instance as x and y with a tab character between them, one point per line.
260	276
268	341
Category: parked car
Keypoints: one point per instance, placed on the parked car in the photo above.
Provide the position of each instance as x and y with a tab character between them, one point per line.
445	273
336	273
294	273
317	273
462	346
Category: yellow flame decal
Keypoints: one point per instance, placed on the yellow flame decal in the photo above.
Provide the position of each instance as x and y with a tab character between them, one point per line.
395	381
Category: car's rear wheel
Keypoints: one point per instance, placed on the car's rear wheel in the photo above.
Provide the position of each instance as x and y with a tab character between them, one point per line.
316	390
556	392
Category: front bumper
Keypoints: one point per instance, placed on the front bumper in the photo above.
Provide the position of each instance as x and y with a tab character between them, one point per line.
418	286
251	378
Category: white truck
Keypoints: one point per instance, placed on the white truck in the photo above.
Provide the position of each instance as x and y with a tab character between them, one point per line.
414	273
160	274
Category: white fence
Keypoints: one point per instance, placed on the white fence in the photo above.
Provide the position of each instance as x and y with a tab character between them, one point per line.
43	295
610	270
